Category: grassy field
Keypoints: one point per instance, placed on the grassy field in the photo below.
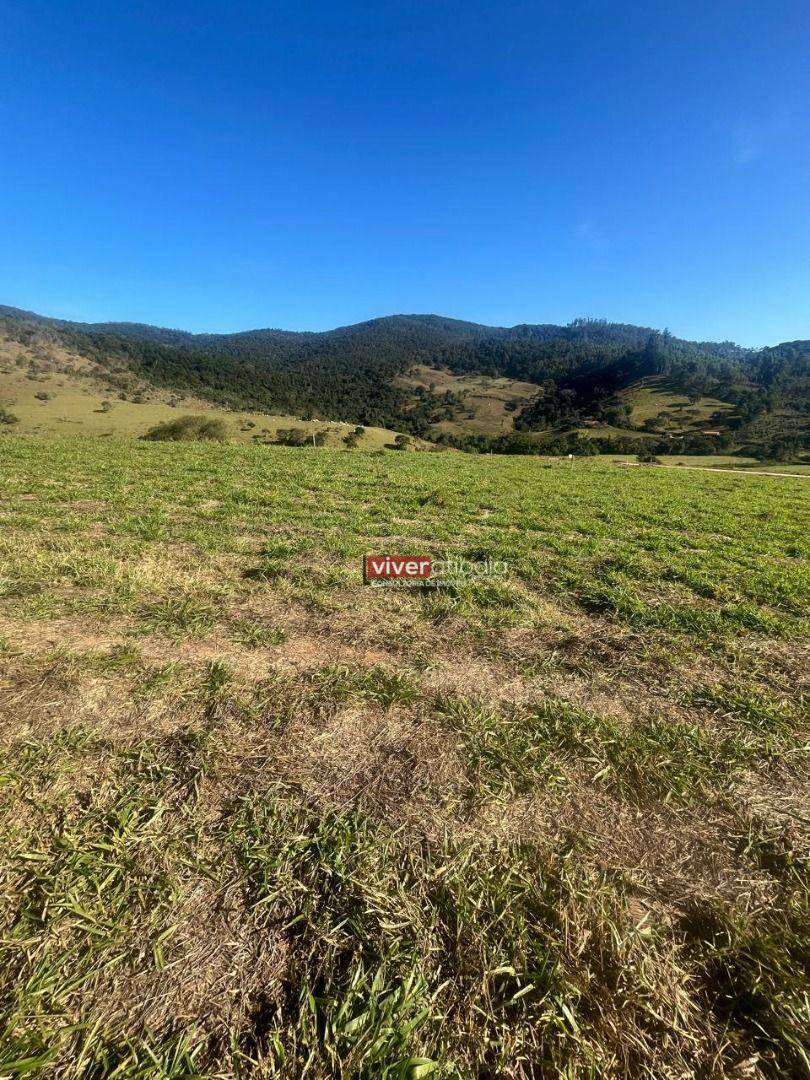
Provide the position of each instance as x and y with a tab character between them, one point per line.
259	820
652	396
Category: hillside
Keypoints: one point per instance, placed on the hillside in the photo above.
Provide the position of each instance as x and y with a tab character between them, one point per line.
52	390
442	378
470	404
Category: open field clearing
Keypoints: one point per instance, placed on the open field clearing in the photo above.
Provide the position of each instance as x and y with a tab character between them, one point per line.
486	405
259	820
652	397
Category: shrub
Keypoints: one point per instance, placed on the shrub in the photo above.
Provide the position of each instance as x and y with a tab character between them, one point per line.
299	437
8	418
292	436
186	428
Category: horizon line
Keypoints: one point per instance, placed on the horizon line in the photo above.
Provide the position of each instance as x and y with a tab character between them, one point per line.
379	318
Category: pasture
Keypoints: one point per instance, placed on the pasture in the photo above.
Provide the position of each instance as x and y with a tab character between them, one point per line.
260	820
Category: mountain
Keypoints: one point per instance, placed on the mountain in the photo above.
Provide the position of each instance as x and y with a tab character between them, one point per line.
461	382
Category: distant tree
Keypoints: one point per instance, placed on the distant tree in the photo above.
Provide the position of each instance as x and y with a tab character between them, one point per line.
402	442
292	436
301	437
8	418
189	428
698	444
106	406
656	353
615	415
781	449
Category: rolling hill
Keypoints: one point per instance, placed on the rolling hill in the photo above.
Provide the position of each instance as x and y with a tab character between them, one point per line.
459	382
50	390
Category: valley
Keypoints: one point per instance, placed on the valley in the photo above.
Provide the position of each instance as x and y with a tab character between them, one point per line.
588	386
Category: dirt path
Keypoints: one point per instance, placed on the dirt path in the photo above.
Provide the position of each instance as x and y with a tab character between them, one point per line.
736	472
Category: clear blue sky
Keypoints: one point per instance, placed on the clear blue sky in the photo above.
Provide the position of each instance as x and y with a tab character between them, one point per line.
219	166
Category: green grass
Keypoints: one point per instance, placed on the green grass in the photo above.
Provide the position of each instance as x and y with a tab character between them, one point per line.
340	683
259	820
512	751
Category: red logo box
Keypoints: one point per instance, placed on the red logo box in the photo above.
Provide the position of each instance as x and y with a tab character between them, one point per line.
391	567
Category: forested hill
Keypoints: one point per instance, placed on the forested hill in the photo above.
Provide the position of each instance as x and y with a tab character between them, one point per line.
356	373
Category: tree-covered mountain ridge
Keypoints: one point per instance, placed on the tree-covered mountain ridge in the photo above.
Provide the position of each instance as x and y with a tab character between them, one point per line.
583	371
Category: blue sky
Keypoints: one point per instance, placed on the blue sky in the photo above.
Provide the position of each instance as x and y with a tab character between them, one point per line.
307	165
